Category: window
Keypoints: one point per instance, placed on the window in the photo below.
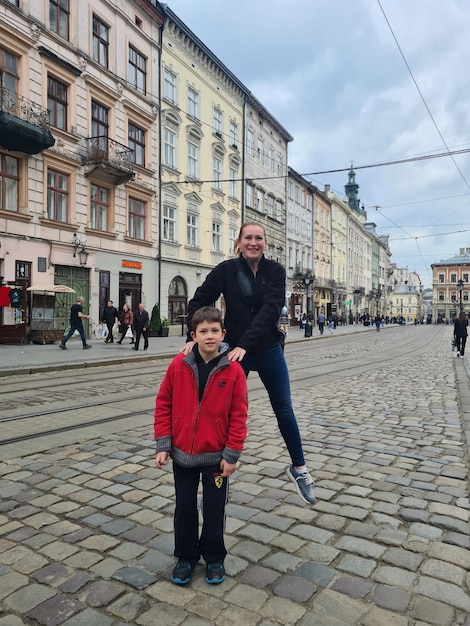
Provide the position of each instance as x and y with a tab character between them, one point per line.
453	278
137	69
136	142
8	76
279	210
217	121
260	200
249	195
271	159
100	41
233	191
280	166
441	278
216	172
193	103
232	237
465	278
260	151
169	223
57	103
249	142
9	180
270	206
99	120
465	296
170	148
216	237
136	219
99	204
15	2
59	14
169	86
233	134
57	196
191	229
193	160
441	296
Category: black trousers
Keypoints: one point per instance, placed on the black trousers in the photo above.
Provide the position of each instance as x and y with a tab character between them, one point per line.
138	334
189	546
110	338
460	344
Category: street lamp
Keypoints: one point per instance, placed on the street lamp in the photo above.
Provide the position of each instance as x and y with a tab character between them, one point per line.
460	284
307	279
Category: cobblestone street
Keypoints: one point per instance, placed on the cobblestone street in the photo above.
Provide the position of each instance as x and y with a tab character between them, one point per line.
86	529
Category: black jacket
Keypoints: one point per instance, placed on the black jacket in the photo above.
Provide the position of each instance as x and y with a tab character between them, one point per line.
460	330
110	314
251	321
141	319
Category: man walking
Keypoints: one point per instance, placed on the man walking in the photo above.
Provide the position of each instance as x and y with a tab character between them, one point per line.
110	315
76	315
141	327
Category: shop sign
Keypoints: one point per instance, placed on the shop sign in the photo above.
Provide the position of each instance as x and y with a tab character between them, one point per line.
135	265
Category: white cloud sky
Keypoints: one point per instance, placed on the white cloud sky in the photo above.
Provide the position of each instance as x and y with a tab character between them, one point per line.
331	73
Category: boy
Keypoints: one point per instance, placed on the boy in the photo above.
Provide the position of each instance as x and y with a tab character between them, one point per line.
200	419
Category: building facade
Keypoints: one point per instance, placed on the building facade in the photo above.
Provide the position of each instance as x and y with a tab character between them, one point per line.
450	286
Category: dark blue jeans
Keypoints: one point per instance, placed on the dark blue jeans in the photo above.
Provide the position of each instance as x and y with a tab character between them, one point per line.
80	329
272	369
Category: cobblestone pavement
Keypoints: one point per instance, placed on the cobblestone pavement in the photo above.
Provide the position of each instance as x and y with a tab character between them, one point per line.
86	530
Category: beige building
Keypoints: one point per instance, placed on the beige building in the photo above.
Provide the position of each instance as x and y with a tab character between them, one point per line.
78	203
450	286
322	253
406	303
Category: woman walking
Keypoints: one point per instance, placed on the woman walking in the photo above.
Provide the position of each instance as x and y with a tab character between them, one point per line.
254	292
460	333
127	317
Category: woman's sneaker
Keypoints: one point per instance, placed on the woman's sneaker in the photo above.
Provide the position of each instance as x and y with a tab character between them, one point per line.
215	573
303	482
182	573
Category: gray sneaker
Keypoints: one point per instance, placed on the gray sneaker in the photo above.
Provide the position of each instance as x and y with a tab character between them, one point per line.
303	483
62	346
87	346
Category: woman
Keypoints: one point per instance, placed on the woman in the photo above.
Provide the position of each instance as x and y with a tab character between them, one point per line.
460	333
125	322
254	292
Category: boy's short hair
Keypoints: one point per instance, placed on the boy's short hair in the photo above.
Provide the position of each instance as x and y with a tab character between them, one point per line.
206	314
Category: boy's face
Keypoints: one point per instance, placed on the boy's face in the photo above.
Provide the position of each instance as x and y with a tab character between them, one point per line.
208	336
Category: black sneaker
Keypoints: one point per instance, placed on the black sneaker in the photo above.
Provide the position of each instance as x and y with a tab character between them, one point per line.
215	573
303	483
62	346
87	346
182	573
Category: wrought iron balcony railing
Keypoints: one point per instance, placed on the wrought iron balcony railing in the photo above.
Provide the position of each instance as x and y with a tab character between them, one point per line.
106	149
24	109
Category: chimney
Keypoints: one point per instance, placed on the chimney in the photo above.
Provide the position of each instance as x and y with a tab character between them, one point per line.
326	189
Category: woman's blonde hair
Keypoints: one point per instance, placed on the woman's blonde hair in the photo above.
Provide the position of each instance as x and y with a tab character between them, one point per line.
242	227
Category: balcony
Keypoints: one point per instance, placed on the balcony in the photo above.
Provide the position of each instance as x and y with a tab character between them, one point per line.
108	160
24	125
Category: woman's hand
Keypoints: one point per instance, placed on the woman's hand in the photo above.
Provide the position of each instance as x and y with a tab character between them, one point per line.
161	459
236	354
186	349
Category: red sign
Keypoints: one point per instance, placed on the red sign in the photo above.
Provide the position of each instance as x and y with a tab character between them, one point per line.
135	265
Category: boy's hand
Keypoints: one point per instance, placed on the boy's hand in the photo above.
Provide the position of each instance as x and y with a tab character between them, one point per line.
161	459
186	349
227	468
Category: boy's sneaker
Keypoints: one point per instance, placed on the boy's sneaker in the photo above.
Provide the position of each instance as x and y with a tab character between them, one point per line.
182	573
215	573
303	482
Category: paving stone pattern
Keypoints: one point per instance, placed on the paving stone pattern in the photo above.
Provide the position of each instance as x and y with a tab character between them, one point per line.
86	530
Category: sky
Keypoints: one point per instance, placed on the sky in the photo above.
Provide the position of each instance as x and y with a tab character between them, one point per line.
367	82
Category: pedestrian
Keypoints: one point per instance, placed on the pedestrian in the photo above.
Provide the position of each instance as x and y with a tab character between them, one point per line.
200	421
109	316
284	320
76	316
141	327
378	322
331	324
460	333
254	291
125	322
321	322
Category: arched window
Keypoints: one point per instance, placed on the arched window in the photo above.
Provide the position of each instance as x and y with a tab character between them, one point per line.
177	300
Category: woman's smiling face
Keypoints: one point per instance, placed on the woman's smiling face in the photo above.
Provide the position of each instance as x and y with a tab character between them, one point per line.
252	242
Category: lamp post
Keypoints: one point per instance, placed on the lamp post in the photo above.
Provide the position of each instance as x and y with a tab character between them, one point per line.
82	254
307	279
460	284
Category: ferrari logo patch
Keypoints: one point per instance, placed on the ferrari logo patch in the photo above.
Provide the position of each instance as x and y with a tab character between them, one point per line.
218	481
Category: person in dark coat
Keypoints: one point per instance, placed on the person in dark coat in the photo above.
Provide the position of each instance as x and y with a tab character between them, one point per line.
110	315
76	324
141	327
460	333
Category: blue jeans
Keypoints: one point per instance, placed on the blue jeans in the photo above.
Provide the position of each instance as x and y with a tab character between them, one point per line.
80	329
272	369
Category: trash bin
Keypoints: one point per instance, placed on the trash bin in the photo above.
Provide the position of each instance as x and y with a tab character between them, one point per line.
308	329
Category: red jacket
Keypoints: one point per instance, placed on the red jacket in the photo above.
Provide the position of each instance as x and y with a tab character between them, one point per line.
201	433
